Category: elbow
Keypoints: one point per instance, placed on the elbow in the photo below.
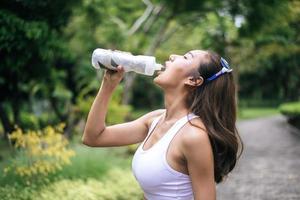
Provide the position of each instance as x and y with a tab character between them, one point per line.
90	139
86	141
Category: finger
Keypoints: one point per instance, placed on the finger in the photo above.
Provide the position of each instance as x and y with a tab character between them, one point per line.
120	68
111	72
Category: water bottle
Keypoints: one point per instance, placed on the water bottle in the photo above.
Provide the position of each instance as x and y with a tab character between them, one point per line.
110	59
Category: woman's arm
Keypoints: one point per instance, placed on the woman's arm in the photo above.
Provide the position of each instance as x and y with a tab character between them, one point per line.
96	134
197	150
95	123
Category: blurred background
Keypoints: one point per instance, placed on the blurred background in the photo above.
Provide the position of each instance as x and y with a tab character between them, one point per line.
47	86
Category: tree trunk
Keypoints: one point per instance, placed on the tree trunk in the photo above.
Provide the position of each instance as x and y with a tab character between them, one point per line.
7	125
16	111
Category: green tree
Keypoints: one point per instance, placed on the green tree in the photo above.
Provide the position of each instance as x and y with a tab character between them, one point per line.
31	48
271	45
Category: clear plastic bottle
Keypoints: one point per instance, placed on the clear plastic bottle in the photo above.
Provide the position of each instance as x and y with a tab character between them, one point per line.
110	59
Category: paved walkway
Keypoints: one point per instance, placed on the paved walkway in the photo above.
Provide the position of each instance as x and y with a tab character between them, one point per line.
269	168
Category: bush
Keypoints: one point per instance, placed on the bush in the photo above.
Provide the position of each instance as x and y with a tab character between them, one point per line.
117	185
16	193
42	152
292	111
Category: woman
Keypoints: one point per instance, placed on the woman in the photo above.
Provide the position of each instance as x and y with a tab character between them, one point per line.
177	160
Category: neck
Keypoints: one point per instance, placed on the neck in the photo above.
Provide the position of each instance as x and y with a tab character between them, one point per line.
175	106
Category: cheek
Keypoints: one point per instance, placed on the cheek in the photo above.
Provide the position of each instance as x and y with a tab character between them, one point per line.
175	71
184	67
180	72
172	76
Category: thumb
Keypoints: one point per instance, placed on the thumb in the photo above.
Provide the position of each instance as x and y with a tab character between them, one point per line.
120	68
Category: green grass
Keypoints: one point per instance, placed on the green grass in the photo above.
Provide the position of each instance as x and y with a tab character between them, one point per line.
94	162
256	112
243	113
87	163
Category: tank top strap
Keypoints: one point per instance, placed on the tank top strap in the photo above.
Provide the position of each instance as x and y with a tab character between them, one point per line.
173	131
154	123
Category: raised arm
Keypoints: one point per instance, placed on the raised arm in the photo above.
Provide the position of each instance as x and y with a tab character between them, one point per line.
96	134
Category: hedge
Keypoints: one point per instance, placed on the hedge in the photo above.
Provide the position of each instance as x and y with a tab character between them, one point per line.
292	111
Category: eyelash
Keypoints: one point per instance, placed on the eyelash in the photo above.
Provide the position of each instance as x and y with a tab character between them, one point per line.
185	57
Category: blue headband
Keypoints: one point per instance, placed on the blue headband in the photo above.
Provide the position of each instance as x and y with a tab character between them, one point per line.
225	69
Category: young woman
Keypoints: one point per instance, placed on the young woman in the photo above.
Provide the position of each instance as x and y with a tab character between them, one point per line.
190	145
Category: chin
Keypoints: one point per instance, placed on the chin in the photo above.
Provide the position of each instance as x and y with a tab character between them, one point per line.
158	81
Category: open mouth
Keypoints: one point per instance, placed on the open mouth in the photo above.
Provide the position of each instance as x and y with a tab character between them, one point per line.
161	71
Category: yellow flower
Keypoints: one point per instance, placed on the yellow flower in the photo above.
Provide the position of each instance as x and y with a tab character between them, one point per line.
44	151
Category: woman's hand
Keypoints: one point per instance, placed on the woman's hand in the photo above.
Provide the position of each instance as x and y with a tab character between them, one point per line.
113	78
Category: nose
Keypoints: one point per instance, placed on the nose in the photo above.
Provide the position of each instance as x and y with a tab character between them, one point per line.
172	57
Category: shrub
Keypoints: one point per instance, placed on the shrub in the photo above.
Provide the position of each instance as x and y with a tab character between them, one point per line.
42	152
292	111
17	192
117	185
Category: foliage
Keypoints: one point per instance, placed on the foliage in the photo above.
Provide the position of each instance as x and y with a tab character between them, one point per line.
117	113
269	61
99	178
263	50
43	152
148	99
116	185
16	193
292	111
31	48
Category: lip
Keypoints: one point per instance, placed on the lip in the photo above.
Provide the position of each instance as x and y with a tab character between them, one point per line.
159	72
166	63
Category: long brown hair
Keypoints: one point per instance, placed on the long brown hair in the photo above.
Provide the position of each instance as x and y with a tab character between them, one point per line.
215	103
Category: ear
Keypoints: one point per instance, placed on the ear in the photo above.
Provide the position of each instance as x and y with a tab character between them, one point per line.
194	81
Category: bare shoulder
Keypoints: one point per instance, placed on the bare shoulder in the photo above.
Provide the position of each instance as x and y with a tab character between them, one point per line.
195	137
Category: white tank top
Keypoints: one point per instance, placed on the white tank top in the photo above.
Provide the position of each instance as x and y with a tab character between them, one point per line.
156	177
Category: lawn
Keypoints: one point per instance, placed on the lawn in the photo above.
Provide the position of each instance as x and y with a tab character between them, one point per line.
243	113
256	112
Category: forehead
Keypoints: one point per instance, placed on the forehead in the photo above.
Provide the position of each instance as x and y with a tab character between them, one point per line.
198	55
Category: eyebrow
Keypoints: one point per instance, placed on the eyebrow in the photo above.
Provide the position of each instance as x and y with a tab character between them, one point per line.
191	54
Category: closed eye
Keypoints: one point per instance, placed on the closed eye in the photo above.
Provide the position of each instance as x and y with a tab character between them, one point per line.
185	57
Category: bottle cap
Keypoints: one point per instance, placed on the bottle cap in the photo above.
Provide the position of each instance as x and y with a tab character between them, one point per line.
158	67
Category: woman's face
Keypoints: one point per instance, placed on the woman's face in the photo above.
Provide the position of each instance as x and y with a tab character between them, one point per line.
179	69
